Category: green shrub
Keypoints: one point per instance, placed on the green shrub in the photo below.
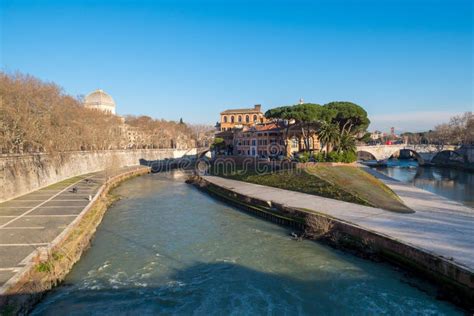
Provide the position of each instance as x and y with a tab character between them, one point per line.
319	157
333	157
304	157
218	143
44	267
349	156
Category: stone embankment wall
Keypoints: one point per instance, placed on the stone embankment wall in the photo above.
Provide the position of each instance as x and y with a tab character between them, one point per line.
20	174
48	266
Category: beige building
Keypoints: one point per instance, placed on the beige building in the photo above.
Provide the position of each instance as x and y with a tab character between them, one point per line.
268	140
238	118
100	100
377	135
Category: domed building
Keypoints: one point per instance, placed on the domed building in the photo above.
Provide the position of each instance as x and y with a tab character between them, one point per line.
100	100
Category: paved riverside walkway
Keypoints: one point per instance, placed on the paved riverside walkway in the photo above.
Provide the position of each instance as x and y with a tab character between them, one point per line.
439	226
36	219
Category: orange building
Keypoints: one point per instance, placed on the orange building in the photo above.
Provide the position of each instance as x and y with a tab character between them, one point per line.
238	118
268	140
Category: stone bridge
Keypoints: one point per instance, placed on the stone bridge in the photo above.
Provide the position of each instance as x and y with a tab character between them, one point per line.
423	153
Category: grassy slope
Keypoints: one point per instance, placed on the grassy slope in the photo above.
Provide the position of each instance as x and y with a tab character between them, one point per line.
343	183
361	184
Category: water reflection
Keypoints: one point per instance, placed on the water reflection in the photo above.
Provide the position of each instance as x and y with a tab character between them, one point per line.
453	184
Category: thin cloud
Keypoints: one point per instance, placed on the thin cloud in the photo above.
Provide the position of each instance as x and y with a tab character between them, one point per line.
410	121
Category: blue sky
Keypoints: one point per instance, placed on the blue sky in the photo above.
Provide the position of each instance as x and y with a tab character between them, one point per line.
409	63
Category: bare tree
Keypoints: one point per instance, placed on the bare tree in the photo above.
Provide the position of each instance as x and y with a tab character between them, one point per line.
459	130
204	134
37	116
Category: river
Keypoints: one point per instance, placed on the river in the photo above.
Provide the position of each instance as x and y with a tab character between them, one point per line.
454	184
167	248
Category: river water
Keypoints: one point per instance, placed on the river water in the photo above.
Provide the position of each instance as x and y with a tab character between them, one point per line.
166	248
454	184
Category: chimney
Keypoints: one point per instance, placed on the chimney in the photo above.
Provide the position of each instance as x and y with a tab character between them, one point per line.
258	107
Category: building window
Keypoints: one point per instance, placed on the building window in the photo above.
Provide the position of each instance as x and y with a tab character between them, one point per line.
247	119
255	118
240	119
294	142
232	119
253	142
225	119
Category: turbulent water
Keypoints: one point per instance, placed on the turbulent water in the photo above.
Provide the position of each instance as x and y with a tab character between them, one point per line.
166	248
454	184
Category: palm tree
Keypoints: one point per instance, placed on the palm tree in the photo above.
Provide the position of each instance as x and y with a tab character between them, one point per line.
329	135
346	143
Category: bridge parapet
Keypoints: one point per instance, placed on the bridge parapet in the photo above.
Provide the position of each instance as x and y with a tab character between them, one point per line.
423	153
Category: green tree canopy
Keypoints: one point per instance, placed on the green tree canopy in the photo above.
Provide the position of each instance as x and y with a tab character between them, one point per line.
280	113
218	143
302	113
333	121
307	113
350	117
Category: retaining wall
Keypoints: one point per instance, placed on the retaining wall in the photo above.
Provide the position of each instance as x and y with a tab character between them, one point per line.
21	174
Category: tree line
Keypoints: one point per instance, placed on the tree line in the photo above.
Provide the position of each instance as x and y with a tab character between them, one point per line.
458	131
37	116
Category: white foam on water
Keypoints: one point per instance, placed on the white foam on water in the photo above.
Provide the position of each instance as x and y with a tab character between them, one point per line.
227	260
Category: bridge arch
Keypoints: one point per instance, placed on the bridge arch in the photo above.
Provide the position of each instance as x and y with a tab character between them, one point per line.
422	153
361	153
416	155
446	154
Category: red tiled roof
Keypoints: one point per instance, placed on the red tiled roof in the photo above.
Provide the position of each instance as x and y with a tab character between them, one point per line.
267	127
